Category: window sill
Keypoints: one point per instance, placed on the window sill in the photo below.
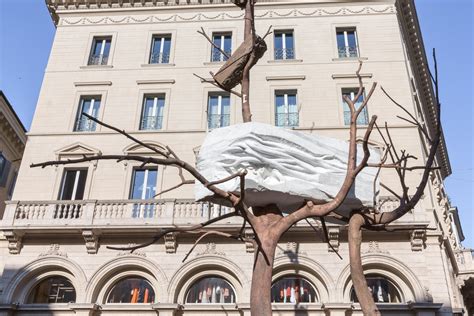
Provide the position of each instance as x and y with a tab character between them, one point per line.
157	65
96	67
285	61
349	59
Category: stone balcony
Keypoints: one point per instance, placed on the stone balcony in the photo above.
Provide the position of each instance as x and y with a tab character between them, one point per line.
143	218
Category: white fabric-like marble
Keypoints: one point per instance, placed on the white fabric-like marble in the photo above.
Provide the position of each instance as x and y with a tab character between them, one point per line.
285	167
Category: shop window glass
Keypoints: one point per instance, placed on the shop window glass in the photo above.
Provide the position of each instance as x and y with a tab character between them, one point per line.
211	290
132	290
293	290
56	289
383	291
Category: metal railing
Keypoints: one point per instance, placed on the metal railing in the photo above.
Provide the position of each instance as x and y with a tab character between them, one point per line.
98	59
159	58
217	55
284	53
218	120
287	119
84	124
348	51
151	123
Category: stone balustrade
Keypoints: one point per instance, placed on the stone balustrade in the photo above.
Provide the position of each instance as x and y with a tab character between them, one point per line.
111	212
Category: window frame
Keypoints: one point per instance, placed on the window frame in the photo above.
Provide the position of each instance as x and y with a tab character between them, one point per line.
222	57
286	92
162	36
76	182
284	31
148	40
132	180
220	107
156	97
346	29
364	112
79	112
89	48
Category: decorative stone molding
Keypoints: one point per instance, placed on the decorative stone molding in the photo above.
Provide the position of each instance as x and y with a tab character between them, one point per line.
333	235
137	252
164	81
279	78
291	249
211	250
228	15
170	243
92	83
374	247
249	246
14	239
417	238
53	251
92	241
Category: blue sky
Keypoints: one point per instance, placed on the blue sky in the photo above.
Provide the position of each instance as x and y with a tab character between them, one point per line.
26	34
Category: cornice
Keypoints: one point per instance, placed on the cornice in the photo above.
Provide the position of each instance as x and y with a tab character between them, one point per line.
228	15
416	51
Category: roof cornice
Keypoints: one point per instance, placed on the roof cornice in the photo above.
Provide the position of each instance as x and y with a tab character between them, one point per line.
416	50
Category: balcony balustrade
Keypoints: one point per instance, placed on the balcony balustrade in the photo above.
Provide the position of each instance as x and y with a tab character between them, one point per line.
89	213
287	119
84	124
284	53
218	120
160	58
98	60
151	123
348	51
218	56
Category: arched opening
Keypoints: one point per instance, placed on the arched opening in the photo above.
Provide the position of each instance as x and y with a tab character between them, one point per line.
53	289
211	290
293	289
383	290
131	289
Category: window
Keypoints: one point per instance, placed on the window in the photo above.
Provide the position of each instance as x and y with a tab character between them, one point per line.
211	290
363	118
89	105
218	110
293	290
286	108
383	290
144	184
56	289
284	45
347	43
152	113
72	188
73	184
160	49
224	42
4	170
11	187
132	290
100	50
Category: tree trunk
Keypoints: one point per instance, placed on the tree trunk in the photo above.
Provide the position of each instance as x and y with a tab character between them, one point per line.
364	296
260	294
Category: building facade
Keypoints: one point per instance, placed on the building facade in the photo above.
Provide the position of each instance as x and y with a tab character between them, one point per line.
130	63
12	145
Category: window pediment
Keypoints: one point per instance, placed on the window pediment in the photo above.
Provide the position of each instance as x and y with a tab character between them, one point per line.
75	150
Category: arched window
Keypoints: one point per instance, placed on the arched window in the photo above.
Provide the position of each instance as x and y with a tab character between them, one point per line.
382	289
55	289
211	290
131	290
293	290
